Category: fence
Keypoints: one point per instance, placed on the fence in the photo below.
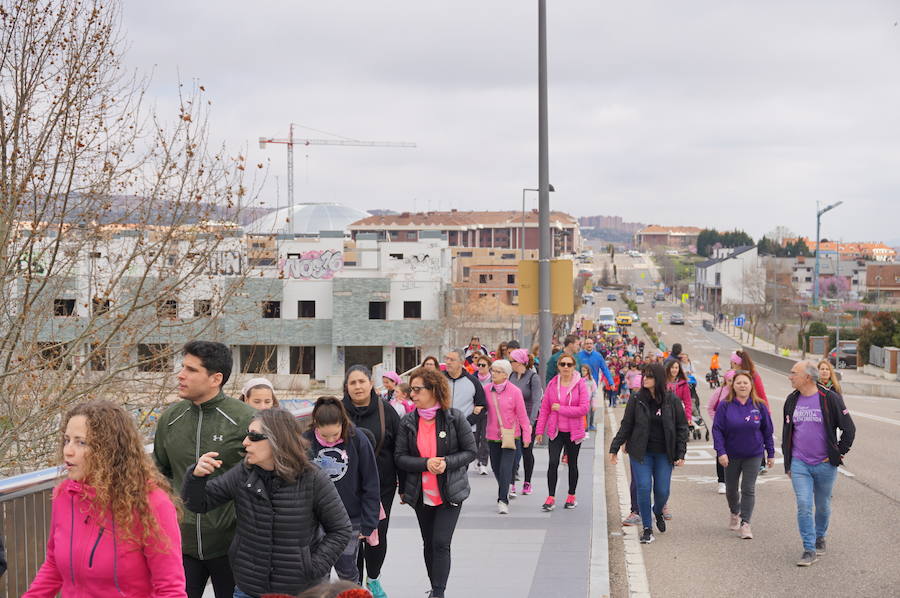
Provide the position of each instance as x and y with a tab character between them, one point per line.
876	356
25	505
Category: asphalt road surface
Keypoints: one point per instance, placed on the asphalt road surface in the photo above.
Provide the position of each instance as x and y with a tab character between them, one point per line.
699	556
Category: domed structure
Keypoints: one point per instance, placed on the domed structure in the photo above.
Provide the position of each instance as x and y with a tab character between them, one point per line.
305	218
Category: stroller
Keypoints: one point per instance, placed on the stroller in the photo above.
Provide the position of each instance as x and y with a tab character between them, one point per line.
697	424
712	377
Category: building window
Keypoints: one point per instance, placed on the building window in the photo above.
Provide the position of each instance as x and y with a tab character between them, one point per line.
508	256
808	279
256	262
718	279
202	308
63	307
482	295
259	359
407	358
510	279
167	308
271	309
396	256
99	305
306	309
303	361
466	272
465	254
51	356
99	357
482	279
154	358
412	310
378	310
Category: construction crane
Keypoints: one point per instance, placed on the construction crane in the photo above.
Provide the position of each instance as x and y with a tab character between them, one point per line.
291	141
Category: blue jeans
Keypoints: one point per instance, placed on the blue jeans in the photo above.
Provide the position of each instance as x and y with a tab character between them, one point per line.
654	473
238	593
812	485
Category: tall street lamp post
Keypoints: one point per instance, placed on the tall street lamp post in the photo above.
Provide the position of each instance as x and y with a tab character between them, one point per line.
522	339
545	319
818	231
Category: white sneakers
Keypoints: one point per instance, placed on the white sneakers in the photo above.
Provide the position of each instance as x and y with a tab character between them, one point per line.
721	487
502	508
483	469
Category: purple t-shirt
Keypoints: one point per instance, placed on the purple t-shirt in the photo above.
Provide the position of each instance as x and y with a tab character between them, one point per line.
810	442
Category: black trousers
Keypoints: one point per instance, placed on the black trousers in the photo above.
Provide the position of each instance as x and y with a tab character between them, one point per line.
526	454
197	572
437	525
370	559
563	441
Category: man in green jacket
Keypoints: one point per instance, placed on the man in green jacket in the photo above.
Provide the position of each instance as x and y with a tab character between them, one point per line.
206	420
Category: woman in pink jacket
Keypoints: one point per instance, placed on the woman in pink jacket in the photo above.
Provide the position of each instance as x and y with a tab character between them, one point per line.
113	527
566	402
711	406
506	408
678	384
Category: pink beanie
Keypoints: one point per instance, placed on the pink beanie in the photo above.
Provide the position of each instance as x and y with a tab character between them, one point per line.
520	355
392	376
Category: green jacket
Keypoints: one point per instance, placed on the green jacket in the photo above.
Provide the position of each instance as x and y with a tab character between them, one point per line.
184	432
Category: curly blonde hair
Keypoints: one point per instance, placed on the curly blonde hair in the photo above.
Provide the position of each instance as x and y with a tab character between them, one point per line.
120	472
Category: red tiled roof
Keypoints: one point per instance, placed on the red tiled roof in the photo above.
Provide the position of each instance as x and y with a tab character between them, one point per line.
468	219
655	229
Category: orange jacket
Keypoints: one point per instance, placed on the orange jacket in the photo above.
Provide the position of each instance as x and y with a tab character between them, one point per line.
714	362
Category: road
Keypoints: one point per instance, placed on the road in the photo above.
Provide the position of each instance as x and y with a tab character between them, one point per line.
699	556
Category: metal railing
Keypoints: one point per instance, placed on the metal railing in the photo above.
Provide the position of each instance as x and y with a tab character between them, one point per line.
876	356
25	505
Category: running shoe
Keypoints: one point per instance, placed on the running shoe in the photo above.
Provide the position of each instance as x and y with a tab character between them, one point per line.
483	469
549	504
746	532
587	436
661	523
666	513
592	428
565	459
820	545
502	508
571	503
632	519
526	488
647	536
734	523
807	558
721	488
374	586
512	491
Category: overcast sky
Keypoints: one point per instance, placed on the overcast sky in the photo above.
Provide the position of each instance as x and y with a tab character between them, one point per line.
706	112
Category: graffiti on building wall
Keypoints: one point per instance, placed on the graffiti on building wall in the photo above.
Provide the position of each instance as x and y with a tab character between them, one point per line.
422	262
225	263
320	265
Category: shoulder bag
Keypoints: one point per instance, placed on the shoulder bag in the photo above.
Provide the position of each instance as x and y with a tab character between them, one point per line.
507	435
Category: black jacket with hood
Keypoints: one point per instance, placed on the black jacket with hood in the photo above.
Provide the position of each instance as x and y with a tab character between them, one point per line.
635	428
383	423
834	415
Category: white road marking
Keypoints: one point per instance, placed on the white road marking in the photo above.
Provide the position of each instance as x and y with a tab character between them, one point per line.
845	472
638	584
877	418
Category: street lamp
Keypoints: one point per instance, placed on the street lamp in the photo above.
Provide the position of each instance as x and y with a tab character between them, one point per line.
522	258
818	229
878	294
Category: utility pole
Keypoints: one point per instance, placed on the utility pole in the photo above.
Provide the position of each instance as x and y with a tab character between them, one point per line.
545	319
291	141
818	231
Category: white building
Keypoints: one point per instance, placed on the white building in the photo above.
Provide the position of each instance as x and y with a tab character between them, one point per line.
732	276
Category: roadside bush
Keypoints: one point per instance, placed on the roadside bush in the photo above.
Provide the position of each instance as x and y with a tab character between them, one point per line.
882	330
654	338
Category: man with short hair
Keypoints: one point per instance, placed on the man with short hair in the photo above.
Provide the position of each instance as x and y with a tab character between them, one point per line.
570	348
474	348
813	452
205	420
469	397
594	360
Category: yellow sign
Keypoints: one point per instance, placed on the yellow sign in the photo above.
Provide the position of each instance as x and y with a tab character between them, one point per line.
562	281
643	275
685	297
587	325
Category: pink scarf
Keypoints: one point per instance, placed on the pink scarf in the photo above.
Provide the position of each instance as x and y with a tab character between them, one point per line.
429	413
324	442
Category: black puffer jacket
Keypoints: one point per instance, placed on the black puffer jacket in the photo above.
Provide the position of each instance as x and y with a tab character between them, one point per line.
369	417
635	428
455	442
277	546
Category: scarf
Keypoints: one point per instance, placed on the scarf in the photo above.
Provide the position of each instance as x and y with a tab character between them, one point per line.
324	442
499	388
429	413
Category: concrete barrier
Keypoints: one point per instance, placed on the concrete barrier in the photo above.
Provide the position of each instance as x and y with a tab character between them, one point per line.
770	360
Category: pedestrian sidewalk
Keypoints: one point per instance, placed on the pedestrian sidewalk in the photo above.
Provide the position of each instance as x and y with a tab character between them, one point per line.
528	553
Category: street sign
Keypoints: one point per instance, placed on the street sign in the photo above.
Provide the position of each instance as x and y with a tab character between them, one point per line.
668	290
685	297
739	322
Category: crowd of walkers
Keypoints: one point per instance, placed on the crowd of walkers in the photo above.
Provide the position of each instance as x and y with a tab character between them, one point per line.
241	494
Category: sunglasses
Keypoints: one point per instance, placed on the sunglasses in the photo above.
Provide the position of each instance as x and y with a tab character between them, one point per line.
565	364
256	436
482	365
416	389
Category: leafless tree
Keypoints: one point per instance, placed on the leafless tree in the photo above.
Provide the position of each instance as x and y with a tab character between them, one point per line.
115	240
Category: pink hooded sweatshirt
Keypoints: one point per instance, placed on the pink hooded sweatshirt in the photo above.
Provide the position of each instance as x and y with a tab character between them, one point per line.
86	560
574	403
512	409
682	390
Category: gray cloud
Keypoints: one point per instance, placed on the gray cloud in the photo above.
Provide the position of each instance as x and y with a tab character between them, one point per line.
715	113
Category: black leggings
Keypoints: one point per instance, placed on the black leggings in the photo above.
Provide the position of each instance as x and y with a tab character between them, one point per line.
562	441
437	525
369	559
197	572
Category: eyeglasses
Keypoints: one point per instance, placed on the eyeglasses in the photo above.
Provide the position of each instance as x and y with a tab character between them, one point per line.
565	364
416	389
482	365
256	436
496	371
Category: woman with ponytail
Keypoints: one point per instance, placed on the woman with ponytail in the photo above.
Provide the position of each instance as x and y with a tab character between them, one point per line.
434	447
345	453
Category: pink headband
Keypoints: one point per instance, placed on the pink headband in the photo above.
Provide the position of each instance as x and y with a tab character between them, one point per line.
735	358
520	355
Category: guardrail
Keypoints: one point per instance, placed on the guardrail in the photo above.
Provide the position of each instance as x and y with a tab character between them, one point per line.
876	356
25	504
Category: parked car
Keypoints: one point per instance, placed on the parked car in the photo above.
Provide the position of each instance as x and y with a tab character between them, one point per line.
676	318
634	317
639	299
659	297
611	297
597	289
844	355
